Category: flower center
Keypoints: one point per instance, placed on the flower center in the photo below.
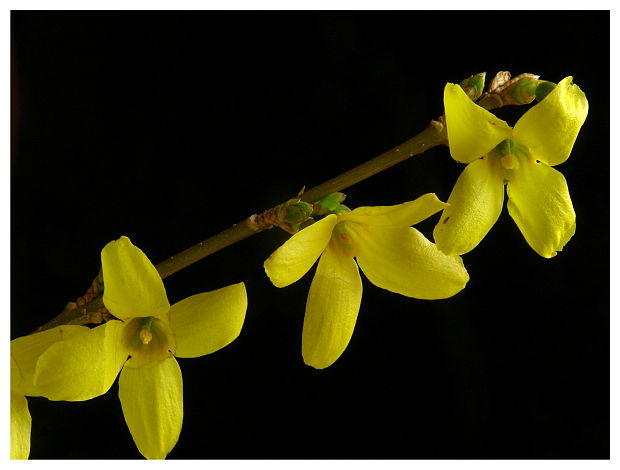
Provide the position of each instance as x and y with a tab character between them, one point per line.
346	236
510	154
148	339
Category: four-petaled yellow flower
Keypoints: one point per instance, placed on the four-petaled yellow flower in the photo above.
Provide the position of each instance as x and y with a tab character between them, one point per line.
150	332
521	158
391	254
25	352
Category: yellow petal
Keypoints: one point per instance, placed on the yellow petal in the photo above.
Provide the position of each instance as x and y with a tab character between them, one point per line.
297	255
152	401
331	309
17	382
539	202
400	215
475	204
83	366
402	260
550	128
132	286
20	427
26	350
472	130
206	322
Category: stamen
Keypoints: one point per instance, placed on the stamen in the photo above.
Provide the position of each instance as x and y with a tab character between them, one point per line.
510	162
509	153
145	335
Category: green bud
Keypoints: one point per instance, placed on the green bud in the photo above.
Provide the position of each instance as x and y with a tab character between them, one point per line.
474	85
517	91
543	89
523	90
340	209
297	212
329	203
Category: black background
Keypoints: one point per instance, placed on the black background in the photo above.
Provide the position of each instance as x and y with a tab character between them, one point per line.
168	127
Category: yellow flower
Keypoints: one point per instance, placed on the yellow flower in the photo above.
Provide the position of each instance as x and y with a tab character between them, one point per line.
520	157
151	333
25	351
391	254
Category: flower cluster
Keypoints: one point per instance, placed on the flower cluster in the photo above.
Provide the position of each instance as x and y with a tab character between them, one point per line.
146	335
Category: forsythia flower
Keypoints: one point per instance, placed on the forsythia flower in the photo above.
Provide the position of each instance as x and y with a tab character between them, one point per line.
151	333
521	158
391	254
25	352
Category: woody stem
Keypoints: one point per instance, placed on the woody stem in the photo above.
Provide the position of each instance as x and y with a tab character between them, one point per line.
435	134
432	136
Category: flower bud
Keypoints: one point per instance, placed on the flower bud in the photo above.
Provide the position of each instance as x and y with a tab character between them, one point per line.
329	203
543	89
297	212
474	85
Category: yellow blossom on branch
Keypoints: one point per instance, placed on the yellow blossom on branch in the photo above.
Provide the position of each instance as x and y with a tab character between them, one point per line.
392	255
150	333
520	158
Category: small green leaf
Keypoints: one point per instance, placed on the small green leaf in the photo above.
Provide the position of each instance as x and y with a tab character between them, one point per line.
330	203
